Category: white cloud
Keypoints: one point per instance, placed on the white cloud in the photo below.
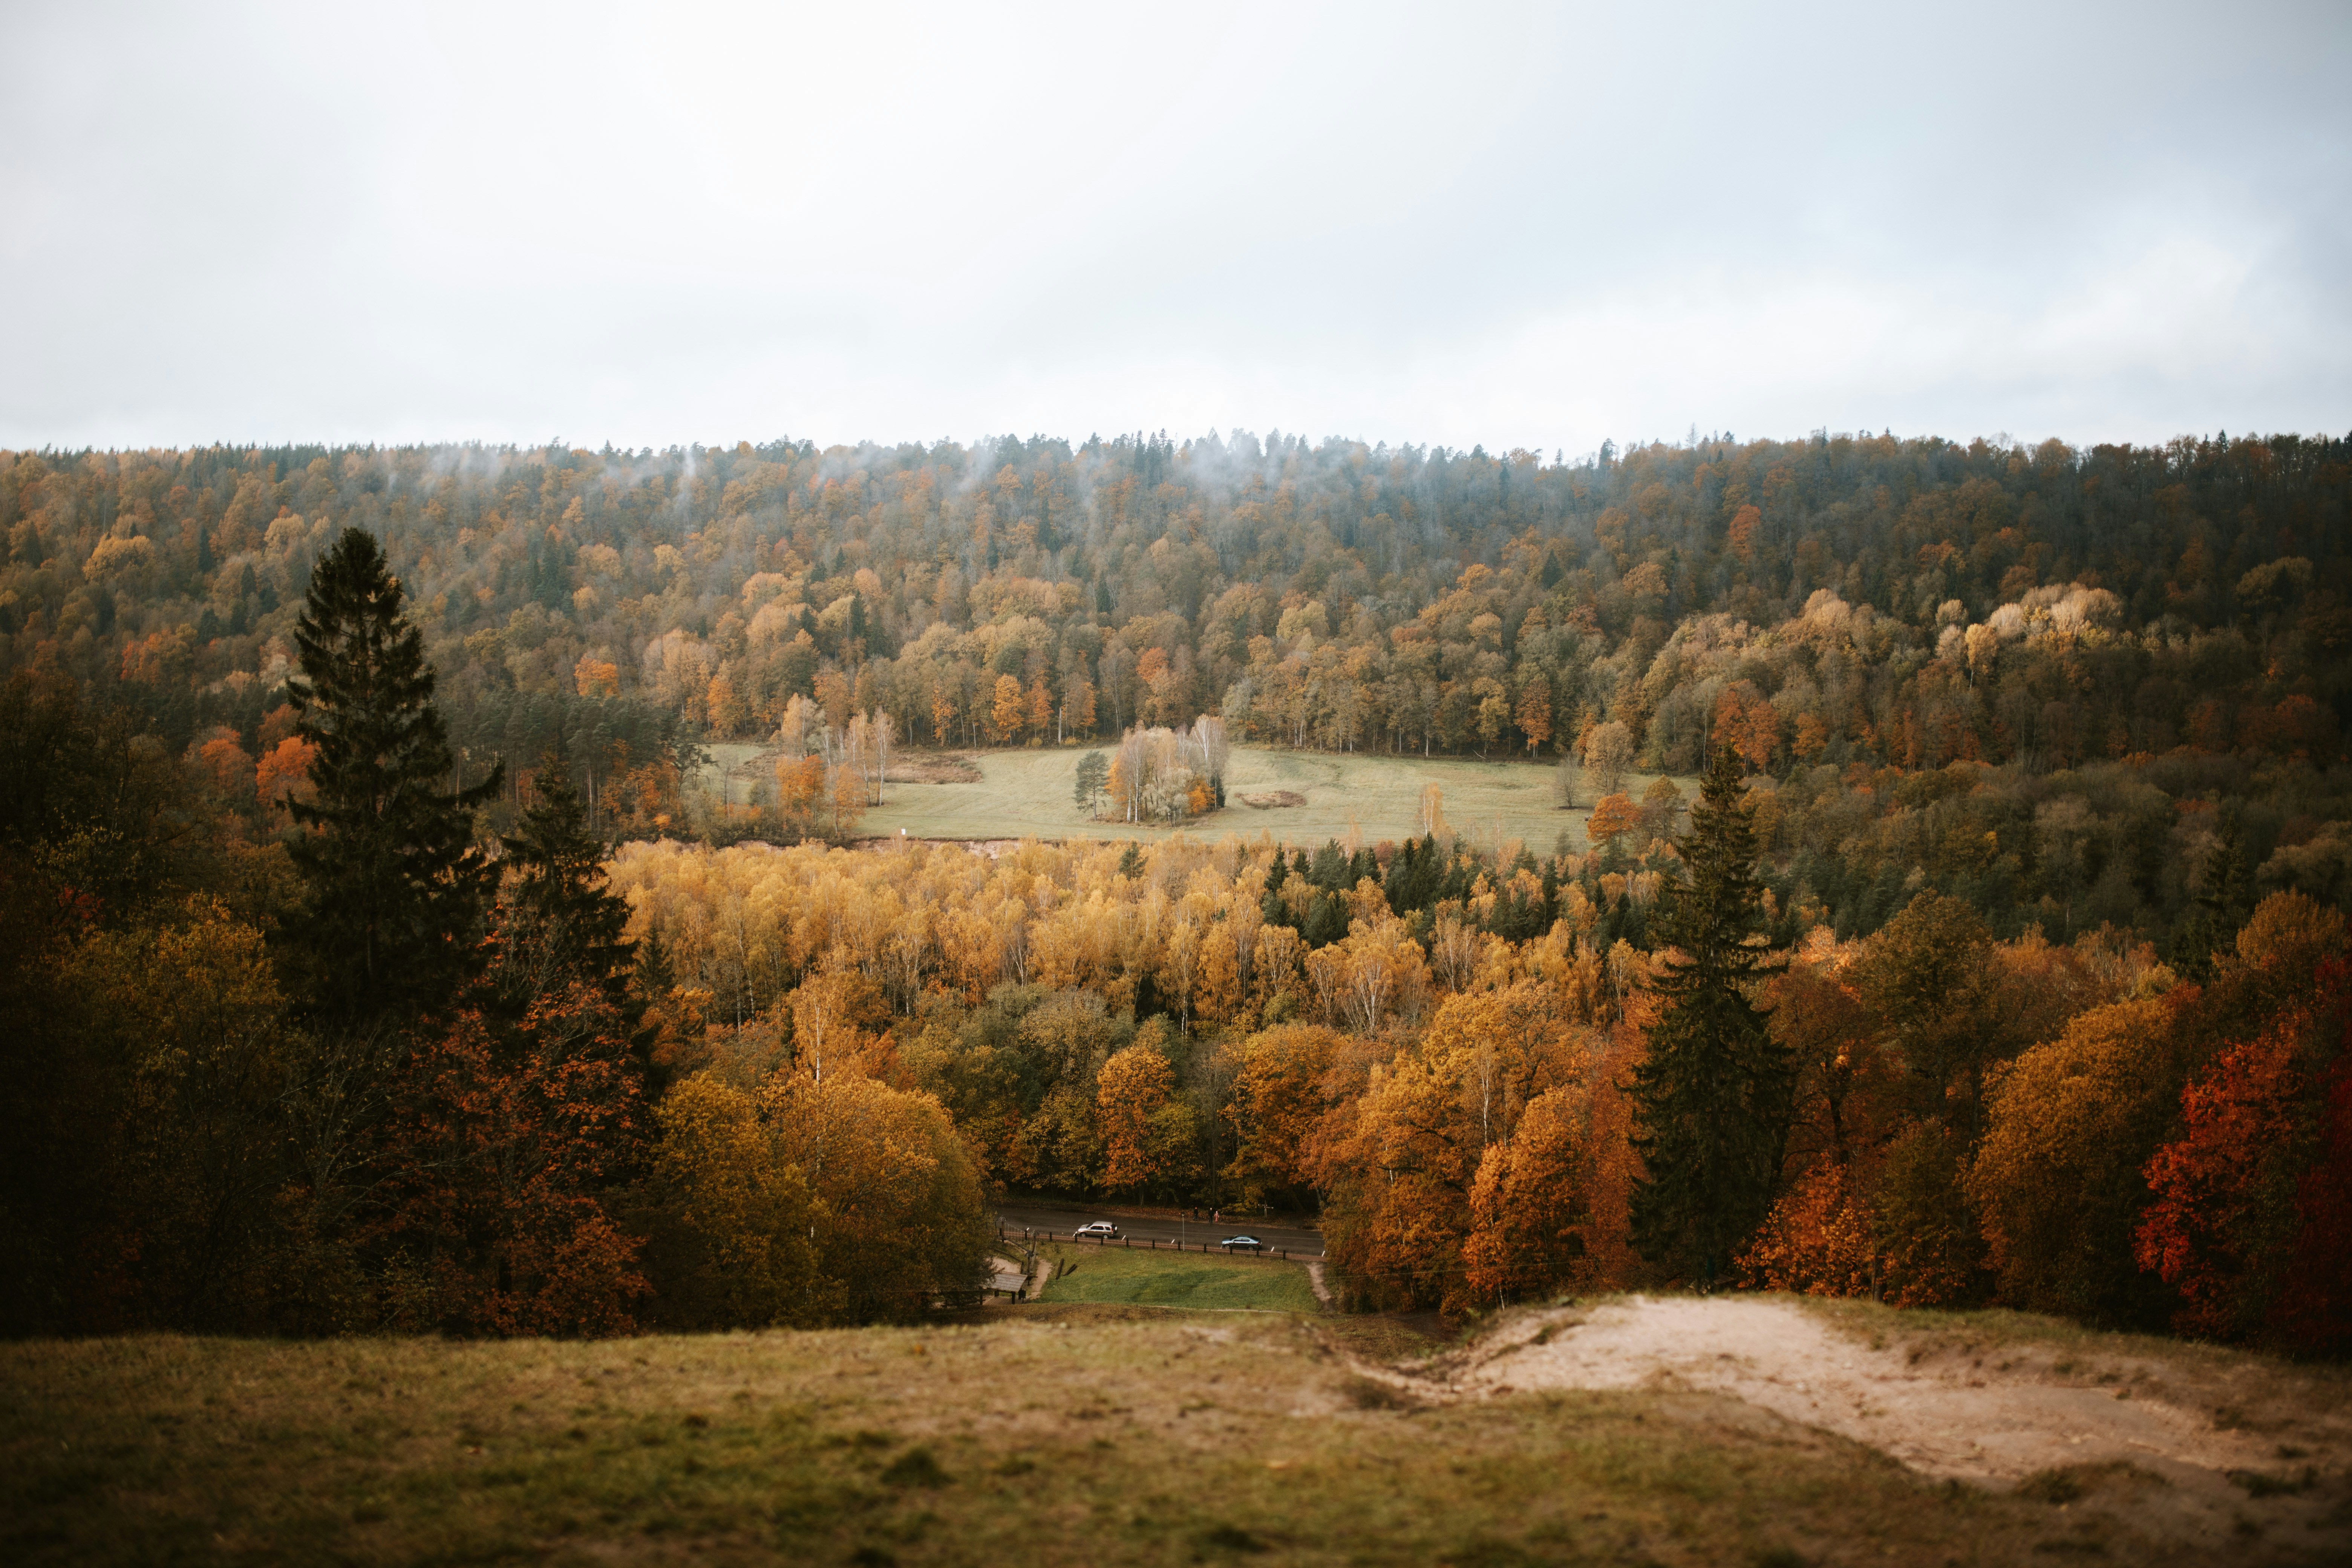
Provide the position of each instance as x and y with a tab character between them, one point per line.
1517	225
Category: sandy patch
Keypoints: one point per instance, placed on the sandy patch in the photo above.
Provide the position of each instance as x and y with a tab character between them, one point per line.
1948	1415
1274	799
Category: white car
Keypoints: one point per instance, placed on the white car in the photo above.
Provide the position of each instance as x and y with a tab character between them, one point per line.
1102	1227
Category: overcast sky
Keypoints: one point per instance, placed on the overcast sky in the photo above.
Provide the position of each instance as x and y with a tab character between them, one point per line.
1538	227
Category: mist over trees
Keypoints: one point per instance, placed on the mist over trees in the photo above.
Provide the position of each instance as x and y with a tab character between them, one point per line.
380	968
2106	631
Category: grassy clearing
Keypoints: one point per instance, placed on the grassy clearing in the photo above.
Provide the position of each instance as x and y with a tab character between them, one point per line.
1026	793
738	772
1197	1280
1047	1435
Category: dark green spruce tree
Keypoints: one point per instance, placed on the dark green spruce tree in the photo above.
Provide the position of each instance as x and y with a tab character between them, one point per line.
559	921
395	887
1094	778
2225	900
1712	1101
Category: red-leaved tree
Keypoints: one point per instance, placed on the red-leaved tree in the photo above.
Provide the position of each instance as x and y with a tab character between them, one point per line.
2252	1221
507	1137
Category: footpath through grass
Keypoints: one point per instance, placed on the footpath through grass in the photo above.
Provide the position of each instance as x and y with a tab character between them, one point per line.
1042	1434
1197	1280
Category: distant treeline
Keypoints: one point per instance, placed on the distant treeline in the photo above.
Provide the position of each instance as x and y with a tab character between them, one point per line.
2130	639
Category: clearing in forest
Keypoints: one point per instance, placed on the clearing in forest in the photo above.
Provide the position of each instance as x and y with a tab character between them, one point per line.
1026	793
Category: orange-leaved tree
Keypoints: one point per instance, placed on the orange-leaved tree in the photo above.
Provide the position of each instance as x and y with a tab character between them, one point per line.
735	1223
1006	712
816	1200
1613	817
518	1115
901	1216
840	1023
1818	1239
1530	1207
505	1139
1399	1163
284	773
799	790
1136	1109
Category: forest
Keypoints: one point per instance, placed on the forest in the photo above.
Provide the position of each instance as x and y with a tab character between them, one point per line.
380	971
2040	672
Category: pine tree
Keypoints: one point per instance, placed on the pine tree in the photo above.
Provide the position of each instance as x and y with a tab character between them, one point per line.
1094	777
1272	908
2224	900
1712	1102
560	921
395	887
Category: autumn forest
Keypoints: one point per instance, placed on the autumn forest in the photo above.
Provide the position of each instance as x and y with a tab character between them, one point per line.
378	959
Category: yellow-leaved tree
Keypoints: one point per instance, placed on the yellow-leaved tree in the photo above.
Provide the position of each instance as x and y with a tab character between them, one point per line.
902	1216
2057	1178
736	1242
1146	1133
1529	1206
1279	1103
817	1200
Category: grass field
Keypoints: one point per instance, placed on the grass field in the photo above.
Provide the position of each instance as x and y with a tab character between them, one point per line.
1198	1280
1039	1434
1026	793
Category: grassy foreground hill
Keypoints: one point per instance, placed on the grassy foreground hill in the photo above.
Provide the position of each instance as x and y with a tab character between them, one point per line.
1039	1434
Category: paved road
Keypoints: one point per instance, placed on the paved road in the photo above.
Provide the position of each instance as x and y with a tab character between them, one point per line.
1059	1222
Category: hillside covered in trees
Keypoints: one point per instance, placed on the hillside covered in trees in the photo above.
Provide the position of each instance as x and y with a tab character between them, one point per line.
1998	957
2034	675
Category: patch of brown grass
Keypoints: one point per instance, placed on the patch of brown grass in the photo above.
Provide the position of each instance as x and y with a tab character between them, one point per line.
933	768
1044	1435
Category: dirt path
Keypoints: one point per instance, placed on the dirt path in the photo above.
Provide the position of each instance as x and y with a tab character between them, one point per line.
2193	1425
1315	1277
1947	1416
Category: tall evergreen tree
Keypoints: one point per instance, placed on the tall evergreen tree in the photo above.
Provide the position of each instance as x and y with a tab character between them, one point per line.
1094	778
1712	1102
560	921
395	885
2225	897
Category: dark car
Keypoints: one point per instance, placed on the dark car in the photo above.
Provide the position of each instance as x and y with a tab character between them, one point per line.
1247	1242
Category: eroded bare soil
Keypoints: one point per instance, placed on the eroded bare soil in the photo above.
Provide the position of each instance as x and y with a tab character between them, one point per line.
2189	1443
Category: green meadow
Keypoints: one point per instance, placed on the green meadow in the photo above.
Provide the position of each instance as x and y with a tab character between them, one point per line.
1165	1279
1027	793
